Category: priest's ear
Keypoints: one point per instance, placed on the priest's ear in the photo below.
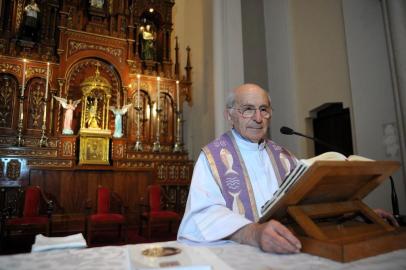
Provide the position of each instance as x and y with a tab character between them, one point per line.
227	115
230	117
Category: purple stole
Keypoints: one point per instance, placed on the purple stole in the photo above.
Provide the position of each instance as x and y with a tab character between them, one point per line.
230	173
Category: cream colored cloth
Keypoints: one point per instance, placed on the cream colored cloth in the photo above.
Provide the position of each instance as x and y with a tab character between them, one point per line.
43	243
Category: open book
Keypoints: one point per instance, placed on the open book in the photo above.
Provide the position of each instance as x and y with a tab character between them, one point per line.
320	199
302	166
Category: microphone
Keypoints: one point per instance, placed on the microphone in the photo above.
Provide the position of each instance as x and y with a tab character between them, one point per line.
289	131
394	198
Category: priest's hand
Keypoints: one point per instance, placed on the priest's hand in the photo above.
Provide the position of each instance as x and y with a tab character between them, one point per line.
271	236
387	216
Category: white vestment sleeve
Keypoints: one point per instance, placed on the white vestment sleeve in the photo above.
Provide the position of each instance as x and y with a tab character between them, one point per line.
207	217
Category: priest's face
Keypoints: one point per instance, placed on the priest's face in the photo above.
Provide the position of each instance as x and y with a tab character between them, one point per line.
251	113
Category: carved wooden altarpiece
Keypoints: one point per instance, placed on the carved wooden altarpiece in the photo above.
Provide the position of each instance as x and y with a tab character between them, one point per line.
64	49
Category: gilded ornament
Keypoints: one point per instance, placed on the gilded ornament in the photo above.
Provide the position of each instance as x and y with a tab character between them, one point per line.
6	93
67	149
75	46
10	68
36	108
13	169
94	132
50	163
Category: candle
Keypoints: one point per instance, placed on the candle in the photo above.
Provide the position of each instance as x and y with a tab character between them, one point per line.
177	95
158	80
23	85
47	81
138	90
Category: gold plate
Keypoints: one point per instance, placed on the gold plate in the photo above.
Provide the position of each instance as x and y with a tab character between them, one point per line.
160	251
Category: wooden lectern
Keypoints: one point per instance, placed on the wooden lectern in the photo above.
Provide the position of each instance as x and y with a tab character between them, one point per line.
324	210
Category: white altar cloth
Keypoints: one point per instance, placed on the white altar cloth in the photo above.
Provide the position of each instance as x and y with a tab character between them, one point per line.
102	258
222	257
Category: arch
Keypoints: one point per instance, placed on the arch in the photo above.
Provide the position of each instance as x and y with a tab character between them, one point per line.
120	67
78	72
150	48
33	105
15	73
147	17
95	89
167	119
145	116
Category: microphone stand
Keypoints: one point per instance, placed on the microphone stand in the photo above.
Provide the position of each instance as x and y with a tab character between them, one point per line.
401	219
331	147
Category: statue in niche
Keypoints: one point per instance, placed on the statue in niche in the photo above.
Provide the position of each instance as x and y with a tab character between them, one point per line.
118	121
70	106
148	43
96	3
31	24
92	114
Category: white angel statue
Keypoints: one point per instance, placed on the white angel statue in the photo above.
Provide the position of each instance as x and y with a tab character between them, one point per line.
70	106
118	122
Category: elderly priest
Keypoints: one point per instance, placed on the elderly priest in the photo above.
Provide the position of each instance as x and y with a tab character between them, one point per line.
235	175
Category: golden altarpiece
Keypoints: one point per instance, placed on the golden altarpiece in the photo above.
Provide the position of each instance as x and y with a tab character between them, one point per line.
89	96
94	133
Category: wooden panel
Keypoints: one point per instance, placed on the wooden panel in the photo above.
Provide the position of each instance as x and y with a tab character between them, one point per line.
350	251
71	189
88	39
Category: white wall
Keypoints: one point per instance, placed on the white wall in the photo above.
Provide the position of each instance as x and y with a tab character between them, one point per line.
213	31
192	22
371	88
307	64
280	70
320	64
254	43
322	51
228	56
317	51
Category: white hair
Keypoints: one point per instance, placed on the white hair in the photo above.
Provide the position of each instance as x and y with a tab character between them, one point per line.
230	99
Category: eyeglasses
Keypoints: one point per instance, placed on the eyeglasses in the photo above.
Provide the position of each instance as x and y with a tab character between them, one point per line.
249	112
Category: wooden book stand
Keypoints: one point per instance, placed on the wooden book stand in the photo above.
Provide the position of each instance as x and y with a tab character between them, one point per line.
323	208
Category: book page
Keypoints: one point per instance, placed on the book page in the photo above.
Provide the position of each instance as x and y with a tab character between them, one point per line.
290	179
325	156
335	156
359	158
299	170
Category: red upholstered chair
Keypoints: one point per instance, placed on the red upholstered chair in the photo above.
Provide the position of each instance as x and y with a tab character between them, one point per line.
154	211
109	211
32	213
